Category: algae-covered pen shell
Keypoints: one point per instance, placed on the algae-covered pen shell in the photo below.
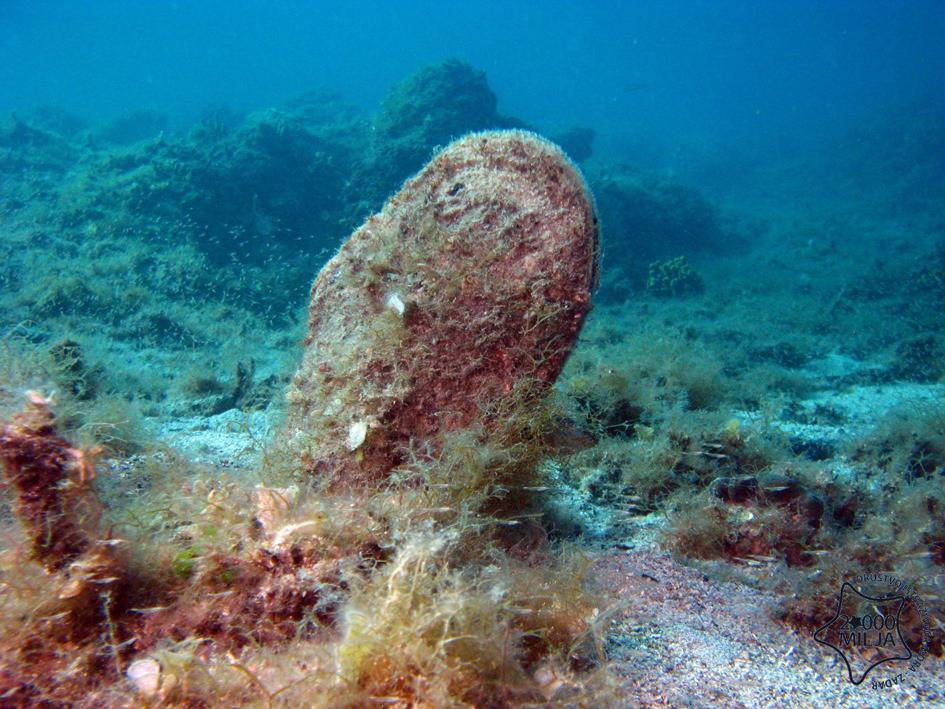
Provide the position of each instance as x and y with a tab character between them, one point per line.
490	258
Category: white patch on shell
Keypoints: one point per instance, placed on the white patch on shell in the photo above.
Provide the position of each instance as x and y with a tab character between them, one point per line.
357	432
395	303
145	675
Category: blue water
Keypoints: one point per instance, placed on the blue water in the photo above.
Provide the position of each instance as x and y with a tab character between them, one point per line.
635	71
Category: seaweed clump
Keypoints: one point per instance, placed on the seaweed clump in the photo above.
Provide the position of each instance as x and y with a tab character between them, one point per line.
51	479
821	530
673	278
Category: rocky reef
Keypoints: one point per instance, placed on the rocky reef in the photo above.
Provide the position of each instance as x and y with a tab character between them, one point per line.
648	218
238	211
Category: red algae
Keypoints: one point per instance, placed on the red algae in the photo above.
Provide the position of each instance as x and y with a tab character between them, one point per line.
50	479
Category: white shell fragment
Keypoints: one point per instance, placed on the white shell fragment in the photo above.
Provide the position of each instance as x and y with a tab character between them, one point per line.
145	675
280	537
395	303
356	435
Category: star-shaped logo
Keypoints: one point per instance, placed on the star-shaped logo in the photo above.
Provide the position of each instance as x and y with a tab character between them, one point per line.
865	632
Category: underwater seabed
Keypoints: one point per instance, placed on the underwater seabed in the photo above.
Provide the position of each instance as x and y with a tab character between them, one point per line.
732	628
754	411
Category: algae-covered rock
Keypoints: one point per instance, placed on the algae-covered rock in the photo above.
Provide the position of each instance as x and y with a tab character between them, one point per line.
469	286
437	101
649	219
426	110
134	127
28	151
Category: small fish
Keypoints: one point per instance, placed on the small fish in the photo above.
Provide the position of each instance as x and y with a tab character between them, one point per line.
111	542
146	611
920	555
746	561
57	616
